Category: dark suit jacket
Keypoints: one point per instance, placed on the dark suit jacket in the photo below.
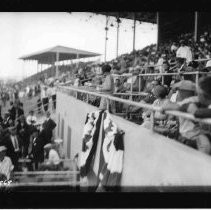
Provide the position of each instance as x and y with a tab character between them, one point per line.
38	147
25	134
13	112
48	127
10	149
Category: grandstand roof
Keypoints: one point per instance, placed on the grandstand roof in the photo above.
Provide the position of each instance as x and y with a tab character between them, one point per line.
48	56
141	16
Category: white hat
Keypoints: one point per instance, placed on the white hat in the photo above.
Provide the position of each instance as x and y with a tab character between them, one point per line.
58	141
47	146
185	85
2	148
208	64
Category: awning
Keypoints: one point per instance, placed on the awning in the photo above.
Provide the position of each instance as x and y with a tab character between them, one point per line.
48	56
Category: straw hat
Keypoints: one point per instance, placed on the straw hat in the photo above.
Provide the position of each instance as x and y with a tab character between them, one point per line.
58	141
185	85
48	146
2	148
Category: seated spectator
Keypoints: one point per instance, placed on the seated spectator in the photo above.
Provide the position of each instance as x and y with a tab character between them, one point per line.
184	52
6	166
52	159
189	130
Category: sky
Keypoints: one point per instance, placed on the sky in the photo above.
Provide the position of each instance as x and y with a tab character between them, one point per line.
25	33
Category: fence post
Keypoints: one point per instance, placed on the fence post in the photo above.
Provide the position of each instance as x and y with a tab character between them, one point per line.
87	98
162	79
197	78
107	104
152	117
131	89
139	84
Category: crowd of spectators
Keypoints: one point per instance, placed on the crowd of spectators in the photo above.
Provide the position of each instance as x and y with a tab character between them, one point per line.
170	92
26	143
22	138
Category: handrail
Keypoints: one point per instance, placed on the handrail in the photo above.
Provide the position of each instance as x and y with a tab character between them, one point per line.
133	94
141	105
45	172
63	183
160	74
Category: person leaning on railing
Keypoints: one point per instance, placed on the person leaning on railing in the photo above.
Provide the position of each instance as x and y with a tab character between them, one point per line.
200	107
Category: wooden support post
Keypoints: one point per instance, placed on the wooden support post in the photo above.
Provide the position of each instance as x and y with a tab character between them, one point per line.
158	28
117	41
106	38
134	32
152	118
195	26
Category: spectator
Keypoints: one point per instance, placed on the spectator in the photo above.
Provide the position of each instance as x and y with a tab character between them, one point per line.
48	127
12	142
6	166
184	52
31	118
44	97
107	87
189	130
23	132
37	152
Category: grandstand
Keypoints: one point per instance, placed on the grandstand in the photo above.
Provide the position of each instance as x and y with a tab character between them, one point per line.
145	149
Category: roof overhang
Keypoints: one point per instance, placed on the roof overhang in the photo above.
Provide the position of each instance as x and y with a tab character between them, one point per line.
49	56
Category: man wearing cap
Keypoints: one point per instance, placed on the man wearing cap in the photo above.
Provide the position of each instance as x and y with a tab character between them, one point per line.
184	52
189	130
6	166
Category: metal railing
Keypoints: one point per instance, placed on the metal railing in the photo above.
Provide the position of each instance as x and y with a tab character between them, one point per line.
196	73
150	107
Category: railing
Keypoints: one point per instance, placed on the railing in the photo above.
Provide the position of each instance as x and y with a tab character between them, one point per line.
196	73
133	103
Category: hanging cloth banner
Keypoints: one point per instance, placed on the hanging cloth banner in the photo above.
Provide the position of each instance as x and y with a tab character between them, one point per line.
111	156
109	149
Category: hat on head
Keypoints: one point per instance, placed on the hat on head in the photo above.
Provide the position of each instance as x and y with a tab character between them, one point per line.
2	148
48	146
160	90
58	141
208	64
185	85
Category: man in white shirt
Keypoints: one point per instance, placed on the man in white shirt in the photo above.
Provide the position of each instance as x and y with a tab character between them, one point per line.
6	166
184	52
44	97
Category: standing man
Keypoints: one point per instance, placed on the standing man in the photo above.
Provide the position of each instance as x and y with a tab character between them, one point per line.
13	146
53	95
48	127
44	97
